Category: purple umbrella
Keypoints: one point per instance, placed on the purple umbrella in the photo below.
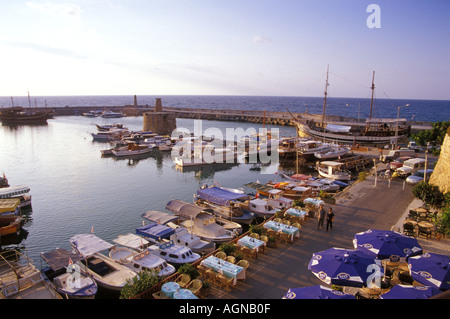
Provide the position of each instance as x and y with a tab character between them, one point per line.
410	292
431	270
316	292
384	244
345	267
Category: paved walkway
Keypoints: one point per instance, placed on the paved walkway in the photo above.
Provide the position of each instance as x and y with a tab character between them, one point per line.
363	207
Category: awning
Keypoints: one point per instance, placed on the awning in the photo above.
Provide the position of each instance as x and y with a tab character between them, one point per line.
89	244
59	258
159	217
131	241
183	209
338	128
155	231
219	196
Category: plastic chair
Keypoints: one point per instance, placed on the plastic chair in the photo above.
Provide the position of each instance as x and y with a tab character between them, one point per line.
286	222
277	220
243	263
408	230
183	280
195	286
264	238
225	281
296	225
212	275
247	252
254	235
231	259
221	255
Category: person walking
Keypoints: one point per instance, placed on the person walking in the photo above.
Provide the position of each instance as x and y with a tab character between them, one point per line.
321	217
330	218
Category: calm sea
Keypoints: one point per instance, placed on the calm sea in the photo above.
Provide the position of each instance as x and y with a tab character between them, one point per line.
418	110
75	189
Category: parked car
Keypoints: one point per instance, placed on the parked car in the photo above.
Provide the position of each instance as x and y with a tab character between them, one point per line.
399	162
417	177
411	166
392	155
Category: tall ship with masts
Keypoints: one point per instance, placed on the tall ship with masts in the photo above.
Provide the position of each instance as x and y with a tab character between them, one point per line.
375	131
15	115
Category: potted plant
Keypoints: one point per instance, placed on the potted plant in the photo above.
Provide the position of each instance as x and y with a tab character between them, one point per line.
206	288
272	242
327	198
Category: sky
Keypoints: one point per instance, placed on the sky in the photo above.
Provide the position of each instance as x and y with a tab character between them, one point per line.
225	47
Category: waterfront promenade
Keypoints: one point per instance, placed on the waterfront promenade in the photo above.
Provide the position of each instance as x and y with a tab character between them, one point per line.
362	207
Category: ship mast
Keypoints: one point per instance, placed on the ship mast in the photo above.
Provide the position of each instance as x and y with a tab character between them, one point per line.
325	99
373	89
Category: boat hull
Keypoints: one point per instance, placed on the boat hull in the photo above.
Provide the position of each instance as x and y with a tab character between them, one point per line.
347	138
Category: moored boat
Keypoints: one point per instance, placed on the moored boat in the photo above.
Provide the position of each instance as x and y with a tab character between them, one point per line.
10	216
106	272
17	115
333	170
332	152
134	253
20	191
66	277
132	150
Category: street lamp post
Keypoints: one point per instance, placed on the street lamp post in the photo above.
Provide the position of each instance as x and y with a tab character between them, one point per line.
396	129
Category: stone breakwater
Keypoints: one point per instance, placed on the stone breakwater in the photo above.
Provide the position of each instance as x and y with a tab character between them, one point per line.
267	117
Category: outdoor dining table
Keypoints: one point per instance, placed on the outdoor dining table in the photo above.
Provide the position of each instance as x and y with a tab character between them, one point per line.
251	243
291	230
184	294
224	267
296	212
169	288
426	224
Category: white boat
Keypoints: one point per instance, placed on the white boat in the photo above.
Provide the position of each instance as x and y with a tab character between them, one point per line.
205	156
108	127
308	148
106	272
134	253
20	191
332	152
200	223
173	253
260	207
132	150
180	235
333	170
111	114
65	277
331	185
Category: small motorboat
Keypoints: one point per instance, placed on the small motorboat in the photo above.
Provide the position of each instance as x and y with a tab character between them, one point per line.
66	277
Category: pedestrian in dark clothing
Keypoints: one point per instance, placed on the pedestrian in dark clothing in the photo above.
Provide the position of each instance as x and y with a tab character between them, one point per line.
330	217
321	217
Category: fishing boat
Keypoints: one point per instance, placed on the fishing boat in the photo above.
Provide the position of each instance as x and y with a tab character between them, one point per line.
132	150
225	202
111	114
21	192
10	216
200	222
375	131
309	148
66	277
260	207
17	115
133	251
106	272
180	235
333	170
206	155
108	127
332	152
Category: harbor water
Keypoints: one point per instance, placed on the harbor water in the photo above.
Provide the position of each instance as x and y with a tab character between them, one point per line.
76	190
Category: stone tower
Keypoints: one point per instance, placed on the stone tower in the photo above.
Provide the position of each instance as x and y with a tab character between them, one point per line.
158	121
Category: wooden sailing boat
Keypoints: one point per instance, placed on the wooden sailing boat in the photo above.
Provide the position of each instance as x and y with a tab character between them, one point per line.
376	131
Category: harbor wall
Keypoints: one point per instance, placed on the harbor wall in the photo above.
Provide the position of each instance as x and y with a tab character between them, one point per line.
260	117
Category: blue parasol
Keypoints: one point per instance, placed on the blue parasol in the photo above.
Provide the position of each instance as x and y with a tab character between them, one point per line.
345	267
384	244
410	292
316	292
431	270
